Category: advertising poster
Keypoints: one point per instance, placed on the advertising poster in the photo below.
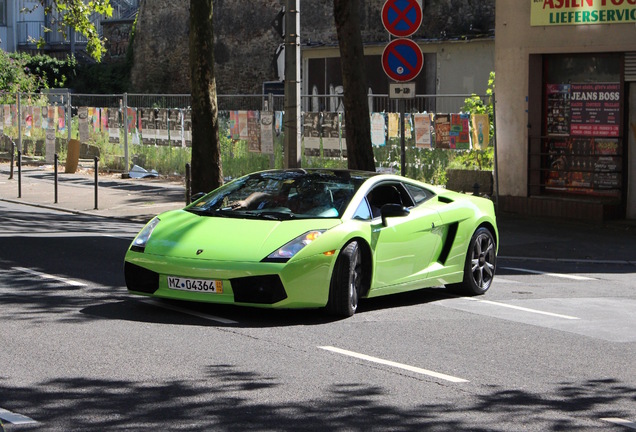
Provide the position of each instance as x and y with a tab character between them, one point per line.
253	132
378	125
113	125
595	109
311	133
242	125
176	127
61	119
37	117
82	115
558	109
422	130
162	127
480	131
148	127
459	137
278	126
267	132
331	134
442	131
394	125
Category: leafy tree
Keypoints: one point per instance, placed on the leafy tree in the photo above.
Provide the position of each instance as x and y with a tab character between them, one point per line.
15	77
358	129
76	14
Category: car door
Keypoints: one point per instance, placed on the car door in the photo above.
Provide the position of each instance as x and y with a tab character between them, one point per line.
404	247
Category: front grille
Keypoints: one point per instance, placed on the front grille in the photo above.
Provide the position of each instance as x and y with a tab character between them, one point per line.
140	279
258	289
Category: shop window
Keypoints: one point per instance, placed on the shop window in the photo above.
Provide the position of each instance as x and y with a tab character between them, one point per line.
582	145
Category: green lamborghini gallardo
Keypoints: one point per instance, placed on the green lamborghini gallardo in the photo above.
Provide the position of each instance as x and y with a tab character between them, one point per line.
315	238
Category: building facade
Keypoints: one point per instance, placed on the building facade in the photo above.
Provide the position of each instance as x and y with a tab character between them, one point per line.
566	108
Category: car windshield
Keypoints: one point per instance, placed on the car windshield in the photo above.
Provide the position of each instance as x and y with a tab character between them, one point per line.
282	195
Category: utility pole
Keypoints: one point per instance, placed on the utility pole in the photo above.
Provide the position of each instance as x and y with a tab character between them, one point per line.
292	84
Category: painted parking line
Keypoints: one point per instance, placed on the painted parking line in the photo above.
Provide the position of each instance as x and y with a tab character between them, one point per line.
49	276
524	309
622	422
558	275
394	364
14	418
189	312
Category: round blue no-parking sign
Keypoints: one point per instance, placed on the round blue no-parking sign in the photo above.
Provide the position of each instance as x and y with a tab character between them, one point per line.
401	18
402	60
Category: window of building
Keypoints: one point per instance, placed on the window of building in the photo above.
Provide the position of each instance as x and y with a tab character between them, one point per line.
3	13
582	145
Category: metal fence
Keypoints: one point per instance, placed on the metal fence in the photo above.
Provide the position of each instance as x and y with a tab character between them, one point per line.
153	130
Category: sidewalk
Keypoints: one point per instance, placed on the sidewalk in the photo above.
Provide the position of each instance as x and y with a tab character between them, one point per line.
133	199
141	199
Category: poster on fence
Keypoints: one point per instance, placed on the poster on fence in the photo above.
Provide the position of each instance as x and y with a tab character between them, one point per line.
2	119
113	126
267	132
176	127
161	122
253	132
442	131
378	134
311	133
61	119
394	125
148	127
459	137
37	117
331	134
242	124
49	149
233	127
423	130
481	131
8	118
187	128
278	126
82	121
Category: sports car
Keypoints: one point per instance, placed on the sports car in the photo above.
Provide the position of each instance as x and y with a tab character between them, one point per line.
315	238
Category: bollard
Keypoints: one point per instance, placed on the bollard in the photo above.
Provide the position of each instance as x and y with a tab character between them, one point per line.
12	160
55	159
96	180
476	189
188	184
19	174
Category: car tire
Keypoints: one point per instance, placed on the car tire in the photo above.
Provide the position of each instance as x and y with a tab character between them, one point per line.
480	265
344	290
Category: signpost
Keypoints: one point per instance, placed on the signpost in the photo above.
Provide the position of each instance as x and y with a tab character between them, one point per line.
402	59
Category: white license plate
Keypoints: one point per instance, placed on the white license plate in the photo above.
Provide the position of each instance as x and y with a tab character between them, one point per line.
195	285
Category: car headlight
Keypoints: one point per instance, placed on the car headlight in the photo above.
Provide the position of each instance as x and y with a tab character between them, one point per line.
291	248
139	243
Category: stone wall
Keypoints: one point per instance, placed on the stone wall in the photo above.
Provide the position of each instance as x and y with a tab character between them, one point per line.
245	42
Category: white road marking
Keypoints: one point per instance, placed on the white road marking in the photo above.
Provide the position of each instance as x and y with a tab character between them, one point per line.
14	418
568	317
559	275
628	424
49	276
189	312
394	364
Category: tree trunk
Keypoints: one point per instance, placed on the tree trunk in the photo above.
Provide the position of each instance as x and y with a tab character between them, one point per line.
207	173
354	81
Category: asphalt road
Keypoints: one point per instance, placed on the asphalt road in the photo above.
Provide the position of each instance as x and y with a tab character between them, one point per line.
550	347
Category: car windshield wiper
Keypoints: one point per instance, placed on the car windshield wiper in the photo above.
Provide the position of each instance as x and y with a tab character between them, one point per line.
276	215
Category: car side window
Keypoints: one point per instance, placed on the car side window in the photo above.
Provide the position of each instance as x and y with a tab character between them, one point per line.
418	194
363	212
387	193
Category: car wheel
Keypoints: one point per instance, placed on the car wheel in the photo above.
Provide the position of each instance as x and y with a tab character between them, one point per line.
344	289
481	261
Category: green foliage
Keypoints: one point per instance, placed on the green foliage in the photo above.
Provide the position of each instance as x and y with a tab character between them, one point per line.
16	77
76	14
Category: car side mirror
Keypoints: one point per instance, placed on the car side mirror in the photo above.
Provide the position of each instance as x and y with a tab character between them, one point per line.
393	210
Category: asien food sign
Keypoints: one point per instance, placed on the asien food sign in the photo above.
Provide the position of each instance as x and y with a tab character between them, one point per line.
582	12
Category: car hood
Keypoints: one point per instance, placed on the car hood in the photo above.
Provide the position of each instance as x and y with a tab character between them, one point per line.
182	234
